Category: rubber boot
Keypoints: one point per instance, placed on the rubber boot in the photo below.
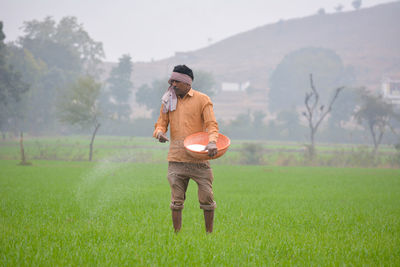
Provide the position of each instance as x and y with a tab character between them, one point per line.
209	220
177	220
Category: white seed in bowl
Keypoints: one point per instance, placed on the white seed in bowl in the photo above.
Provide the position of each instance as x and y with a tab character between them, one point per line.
196	147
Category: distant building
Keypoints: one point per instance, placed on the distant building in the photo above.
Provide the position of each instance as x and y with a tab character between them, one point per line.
391	90
235	87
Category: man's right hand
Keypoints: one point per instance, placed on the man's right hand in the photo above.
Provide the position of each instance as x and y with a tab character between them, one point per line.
162	137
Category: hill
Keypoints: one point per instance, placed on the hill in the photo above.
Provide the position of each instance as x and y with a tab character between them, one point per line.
367	39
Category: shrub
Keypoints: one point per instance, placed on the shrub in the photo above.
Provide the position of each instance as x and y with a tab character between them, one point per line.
251	154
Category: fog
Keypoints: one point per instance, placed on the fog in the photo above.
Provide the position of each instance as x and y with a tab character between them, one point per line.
303	72
151	30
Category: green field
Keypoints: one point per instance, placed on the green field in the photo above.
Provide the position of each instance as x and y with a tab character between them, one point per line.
113	214
148	150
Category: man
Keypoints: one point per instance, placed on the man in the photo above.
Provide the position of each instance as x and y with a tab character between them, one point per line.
187	111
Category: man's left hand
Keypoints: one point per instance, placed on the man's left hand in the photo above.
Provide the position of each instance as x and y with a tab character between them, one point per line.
212	149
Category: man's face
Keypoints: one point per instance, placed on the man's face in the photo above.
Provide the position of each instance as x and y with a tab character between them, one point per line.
180	88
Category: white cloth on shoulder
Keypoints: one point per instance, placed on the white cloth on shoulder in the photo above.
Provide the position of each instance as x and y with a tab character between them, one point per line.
169	99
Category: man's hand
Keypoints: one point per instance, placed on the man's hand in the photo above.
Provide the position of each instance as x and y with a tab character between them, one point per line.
212	149
162	137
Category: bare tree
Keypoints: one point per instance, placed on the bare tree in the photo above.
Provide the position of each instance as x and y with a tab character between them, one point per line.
316	113
22	151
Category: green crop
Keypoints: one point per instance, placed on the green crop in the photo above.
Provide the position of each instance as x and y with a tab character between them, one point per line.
117	214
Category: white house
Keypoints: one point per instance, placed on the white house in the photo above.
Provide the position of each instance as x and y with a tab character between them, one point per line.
391	90
226	86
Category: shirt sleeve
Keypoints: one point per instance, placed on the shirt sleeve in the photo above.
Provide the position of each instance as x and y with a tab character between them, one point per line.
161	124
210	122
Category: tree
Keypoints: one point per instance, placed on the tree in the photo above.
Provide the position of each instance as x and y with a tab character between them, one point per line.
339	8
80	106
242	126
12	85
376	115
341	117
120	87
150	96
315	113
356	4
345	106
289	81
291	122
246	125
204	82
21	114
65	45
66	52
258	117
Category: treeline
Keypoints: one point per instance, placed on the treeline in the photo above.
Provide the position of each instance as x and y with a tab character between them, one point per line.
48	59
313	97
52	82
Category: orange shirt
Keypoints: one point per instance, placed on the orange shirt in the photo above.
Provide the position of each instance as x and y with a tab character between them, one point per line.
194	113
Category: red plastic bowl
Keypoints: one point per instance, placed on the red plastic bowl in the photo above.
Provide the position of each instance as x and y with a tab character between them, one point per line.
201	138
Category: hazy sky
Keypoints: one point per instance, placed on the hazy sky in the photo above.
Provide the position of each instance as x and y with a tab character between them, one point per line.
156	29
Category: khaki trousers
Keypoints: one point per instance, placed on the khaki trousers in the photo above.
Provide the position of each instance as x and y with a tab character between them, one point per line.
179	174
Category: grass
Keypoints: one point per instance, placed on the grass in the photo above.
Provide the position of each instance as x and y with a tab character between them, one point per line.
76	148
109	213
147	149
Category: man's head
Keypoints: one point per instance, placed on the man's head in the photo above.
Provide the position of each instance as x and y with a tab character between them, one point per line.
184	70
181	79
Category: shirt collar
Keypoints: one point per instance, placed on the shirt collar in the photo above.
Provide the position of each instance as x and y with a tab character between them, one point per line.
190	93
